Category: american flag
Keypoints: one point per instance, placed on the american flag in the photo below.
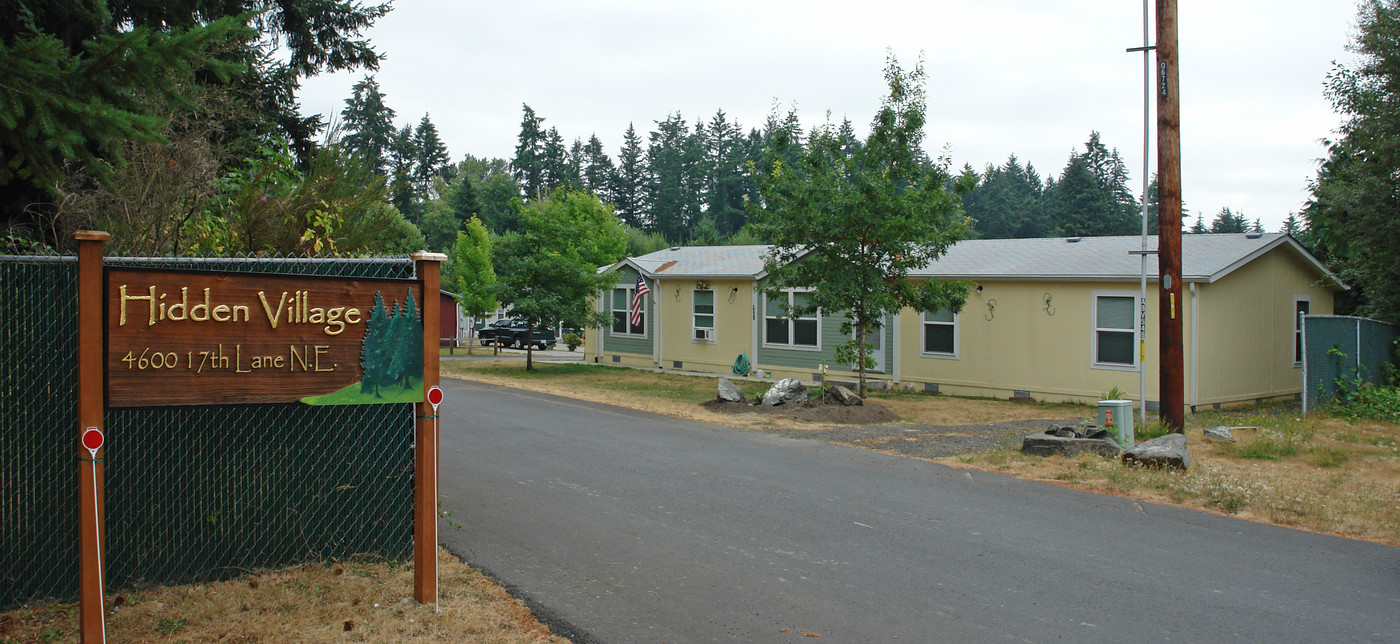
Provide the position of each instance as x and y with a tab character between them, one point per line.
642	290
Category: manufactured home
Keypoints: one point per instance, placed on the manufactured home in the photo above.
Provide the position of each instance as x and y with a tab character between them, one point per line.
1054	319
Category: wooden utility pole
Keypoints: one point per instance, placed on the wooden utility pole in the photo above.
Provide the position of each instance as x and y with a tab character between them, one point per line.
1169	304
91	495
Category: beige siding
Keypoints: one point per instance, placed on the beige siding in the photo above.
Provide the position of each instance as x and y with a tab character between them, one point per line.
733	325
1009	340
1246	326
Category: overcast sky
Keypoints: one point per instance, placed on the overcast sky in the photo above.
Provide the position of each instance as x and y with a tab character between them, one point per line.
1023	77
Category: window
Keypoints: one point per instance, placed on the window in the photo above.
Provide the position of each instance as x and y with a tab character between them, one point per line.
622	312
778	330
702	316
1115	335
1301	306
941	333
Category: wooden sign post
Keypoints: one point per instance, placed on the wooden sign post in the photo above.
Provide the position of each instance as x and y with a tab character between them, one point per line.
425	455
91	510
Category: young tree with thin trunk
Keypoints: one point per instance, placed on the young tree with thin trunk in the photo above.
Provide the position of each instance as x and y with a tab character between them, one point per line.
476	280
548	270
851	226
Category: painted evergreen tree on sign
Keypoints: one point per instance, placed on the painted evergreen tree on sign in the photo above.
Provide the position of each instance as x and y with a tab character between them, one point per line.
392	350
372	354
410	341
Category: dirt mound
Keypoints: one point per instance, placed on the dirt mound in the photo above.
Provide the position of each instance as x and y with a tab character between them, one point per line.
813	411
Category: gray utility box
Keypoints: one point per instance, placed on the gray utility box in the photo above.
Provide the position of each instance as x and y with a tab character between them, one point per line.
1116	416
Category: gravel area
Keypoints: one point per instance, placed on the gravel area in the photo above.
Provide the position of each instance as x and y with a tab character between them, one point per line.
925	441
868	426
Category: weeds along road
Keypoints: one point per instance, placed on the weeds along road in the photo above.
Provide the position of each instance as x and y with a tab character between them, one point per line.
641	528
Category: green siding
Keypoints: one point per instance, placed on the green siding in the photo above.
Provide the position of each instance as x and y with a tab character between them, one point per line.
630	344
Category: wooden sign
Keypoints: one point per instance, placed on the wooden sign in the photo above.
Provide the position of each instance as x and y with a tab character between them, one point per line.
207	338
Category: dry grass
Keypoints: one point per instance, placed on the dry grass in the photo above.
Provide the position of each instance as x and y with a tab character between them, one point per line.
341	602
678	395
1323	474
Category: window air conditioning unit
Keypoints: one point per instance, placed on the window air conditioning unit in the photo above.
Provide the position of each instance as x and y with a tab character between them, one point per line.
704	334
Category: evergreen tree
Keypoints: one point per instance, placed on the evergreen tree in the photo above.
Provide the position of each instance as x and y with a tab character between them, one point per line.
673	190
727	183
462	198
497	199
1227	221
629	187
574	164
430	158
1353	217
476	280
1092	197
598	172
556	164
1007	202
402	191
1080	205
1199	227
84	82
368	124
529	164
850	144
1291	226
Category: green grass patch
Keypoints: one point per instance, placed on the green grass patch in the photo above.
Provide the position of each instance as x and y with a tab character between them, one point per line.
1328	457
1263	449
351	395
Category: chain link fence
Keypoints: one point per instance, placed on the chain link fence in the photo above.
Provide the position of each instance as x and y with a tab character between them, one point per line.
192	493
1340	346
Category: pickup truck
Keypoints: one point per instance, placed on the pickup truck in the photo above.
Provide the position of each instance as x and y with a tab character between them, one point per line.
513	333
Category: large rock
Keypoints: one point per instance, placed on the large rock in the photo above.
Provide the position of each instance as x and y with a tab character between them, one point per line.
1163	451
1220	434
787	390
729	392
845	396
1065	441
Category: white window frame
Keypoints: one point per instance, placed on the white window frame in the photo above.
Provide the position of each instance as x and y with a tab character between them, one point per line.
790	292
631	292
1094	331
1298	328
923	337
714	315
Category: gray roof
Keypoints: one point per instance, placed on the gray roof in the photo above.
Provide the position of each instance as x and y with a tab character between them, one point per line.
701	261
1204	258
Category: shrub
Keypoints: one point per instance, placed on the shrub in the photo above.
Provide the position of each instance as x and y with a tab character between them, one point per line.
1370	402
572	340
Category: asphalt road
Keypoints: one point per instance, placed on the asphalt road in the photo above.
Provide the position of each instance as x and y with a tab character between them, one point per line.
640	528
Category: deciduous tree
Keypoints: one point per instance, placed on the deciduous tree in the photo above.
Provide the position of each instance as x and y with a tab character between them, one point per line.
548	270
476	279
853	226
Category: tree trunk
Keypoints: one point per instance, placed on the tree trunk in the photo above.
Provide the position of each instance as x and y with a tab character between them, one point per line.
860	355
529	346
